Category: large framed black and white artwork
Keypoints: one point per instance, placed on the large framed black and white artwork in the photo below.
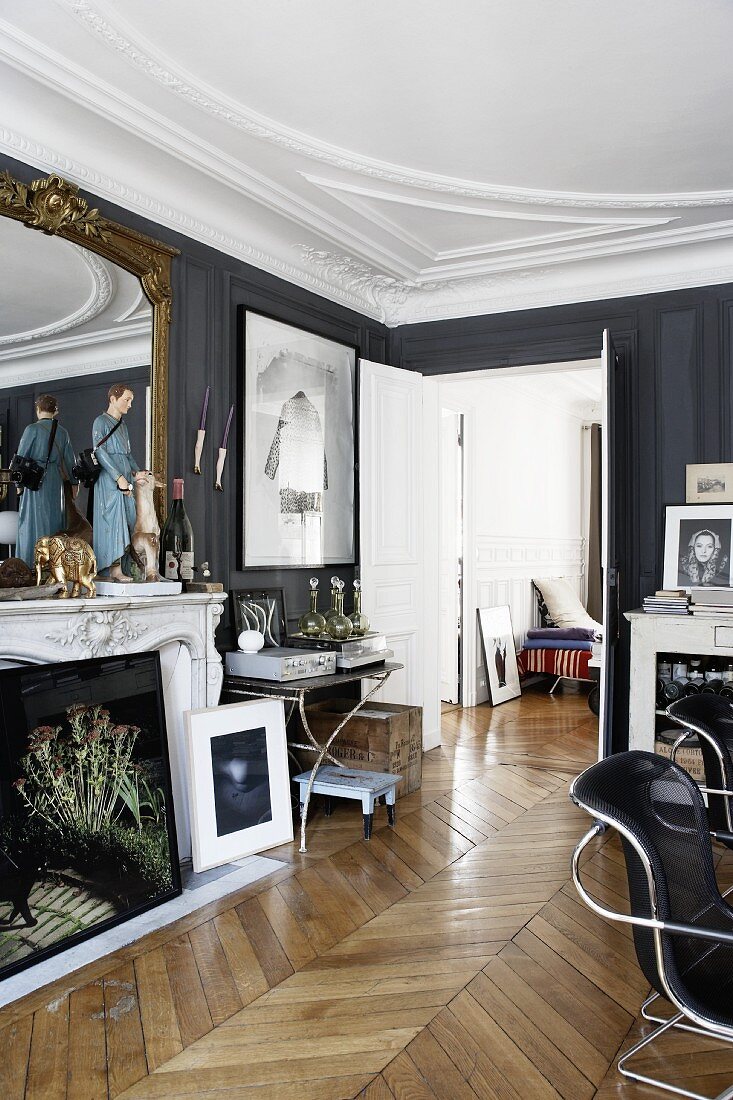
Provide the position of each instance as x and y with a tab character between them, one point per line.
238	781
500	655
697	546
298	447
87	833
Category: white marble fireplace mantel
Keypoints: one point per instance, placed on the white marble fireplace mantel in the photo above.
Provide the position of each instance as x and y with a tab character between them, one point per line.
180	627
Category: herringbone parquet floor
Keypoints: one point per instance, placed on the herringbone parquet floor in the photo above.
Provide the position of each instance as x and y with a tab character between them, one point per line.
447	958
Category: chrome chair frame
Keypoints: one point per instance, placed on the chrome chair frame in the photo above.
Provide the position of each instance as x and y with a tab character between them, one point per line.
684	1013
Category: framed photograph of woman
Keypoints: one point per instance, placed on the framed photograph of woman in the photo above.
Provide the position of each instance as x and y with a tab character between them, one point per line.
697	546
298	447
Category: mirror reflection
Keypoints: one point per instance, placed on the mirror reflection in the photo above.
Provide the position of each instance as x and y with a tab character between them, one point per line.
71	325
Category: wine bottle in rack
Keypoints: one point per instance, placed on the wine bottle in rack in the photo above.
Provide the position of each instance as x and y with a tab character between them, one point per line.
176	539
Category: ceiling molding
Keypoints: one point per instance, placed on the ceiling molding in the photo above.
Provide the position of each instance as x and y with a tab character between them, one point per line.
105	186
65	78
108	27
35	372
98	300
94	339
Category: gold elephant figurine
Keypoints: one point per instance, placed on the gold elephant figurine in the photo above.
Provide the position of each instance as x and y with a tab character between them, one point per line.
67	559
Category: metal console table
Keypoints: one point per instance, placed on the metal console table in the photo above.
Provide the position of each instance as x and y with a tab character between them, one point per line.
294	693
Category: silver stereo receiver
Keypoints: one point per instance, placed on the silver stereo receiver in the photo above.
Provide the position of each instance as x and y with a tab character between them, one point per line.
280	664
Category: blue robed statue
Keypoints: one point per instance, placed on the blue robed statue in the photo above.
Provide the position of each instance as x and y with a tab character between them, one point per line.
42	511
114	503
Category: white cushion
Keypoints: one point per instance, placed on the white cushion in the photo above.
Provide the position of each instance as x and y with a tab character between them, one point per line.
563	606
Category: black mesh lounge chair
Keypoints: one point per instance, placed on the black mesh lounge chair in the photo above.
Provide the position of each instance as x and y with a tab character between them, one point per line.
710	719
683	927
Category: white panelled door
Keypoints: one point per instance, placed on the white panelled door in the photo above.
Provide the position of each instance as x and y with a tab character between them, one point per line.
394	562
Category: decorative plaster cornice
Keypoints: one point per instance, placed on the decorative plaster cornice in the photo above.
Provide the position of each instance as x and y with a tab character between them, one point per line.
98	300
36	372
100	337
389	296
98	19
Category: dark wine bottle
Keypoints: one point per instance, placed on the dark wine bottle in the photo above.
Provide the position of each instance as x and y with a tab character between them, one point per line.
176	540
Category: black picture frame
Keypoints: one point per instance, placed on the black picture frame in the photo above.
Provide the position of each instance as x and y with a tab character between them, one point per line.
262	609
707	565
298	446
87	826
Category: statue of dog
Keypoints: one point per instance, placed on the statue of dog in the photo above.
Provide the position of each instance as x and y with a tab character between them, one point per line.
145	539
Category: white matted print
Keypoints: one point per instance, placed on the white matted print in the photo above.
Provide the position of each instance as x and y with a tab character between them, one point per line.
697	546
298	455
500	655
709	483
239	786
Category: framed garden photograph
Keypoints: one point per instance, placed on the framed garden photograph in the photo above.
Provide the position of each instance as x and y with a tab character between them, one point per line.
500	655
238	781
697	546
261	609
87	833
297	458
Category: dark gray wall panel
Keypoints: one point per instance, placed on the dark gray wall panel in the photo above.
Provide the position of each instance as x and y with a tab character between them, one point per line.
208	286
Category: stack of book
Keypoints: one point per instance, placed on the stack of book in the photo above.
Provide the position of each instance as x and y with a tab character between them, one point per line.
668	601
712	603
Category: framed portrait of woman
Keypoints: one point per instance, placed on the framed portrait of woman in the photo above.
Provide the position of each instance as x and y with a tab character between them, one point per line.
697	546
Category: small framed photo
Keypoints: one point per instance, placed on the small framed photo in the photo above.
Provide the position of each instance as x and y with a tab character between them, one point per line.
297	476
711	483
697	546
239	781
500	655
261	609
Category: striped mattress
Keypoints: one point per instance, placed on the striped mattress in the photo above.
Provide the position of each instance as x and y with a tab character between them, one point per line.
572	663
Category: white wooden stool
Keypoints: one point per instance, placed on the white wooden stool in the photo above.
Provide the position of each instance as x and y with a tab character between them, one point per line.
344	783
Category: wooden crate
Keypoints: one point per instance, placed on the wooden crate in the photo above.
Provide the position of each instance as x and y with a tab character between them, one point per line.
383	737
688	755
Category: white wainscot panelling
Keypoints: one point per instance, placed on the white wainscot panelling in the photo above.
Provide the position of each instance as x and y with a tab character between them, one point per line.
394	598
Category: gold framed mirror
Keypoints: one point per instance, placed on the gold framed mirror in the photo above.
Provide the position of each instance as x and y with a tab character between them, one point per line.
54	206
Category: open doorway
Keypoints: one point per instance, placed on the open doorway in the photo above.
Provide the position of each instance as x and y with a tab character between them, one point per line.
527	507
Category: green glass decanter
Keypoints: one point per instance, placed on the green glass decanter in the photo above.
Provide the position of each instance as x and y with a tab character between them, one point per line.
339	626
359	622
312	624
335	582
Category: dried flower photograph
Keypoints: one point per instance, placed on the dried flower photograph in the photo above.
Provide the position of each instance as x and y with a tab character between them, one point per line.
87	837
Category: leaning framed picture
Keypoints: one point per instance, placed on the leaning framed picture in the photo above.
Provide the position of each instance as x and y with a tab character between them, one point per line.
238	781
261	609
697	546
500	655
87	833
298	452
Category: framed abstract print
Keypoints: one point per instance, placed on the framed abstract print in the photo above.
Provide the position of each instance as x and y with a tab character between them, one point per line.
87	833
298	447
238	781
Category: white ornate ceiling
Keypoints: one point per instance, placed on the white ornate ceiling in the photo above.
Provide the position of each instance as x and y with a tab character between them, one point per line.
413	159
